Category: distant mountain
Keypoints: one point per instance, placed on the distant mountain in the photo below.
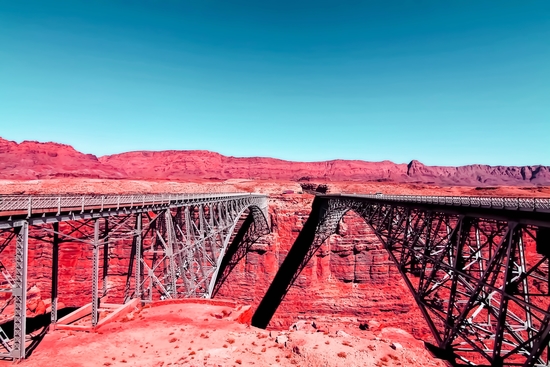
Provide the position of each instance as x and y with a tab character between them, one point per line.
34	160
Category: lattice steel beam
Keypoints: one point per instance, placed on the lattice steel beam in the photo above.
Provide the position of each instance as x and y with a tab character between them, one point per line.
20	292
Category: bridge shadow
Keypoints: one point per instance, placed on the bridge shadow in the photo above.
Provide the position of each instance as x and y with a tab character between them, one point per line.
247	235
36	327
440	353
293	264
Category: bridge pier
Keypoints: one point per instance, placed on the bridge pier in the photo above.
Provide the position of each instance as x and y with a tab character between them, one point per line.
138	255
55	275
105	258
20	291
95	275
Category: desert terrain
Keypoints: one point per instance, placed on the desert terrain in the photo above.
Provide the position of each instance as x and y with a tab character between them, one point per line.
349	306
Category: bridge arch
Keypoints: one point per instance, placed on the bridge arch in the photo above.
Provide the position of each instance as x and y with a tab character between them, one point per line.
193	244
255	219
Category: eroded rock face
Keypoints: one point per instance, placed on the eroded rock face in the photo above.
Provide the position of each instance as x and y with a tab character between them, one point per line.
478	174
34	160
350	277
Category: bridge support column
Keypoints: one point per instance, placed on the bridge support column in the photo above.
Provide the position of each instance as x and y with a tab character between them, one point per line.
138	255
55	274
95	275
105	257
20	291
169	250
507	288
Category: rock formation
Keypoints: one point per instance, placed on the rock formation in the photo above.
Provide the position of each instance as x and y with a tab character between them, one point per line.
350	277
33	160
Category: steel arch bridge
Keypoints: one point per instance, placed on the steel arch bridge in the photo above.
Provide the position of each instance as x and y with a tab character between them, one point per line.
178	243
477	268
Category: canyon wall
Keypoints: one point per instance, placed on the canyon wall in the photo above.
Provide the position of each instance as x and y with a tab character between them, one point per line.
350	279
33	160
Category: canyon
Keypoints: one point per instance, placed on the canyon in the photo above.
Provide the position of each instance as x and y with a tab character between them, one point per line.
349	284
350	279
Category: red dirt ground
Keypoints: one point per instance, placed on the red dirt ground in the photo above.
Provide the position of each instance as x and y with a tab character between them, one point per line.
198	334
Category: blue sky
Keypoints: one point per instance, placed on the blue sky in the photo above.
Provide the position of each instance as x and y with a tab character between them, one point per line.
444	82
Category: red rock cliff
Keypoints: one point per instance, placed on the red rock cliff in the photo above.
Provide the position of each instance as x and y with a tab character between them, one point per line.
33	160
351	276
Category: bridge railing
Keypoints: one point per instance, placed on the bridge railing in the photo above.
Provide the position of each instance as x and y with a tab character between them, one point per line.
17	203
532	204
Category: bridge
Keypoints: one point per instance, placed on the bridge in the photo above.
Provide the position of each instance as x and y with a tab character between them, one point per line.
178	243
477	268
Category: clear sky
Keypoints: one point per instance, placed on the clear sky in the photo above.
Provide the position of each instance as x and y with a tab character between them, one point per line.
445	82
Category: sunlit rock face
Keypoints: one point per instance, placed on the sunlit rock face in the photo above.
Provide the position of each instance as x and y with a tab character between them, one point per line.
350	276
33	160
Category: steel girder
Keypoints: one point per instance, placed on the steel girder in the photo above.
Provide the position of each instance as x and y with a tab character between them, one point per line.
181	251
482	284
177	248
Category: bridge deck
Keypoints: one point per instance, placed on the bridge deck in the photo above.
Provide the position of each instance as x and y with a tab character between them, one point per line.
51	208
531	211
503	203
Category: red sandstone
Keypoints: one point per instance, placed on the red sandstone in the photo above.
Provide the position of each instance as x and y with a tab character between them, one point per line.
34	160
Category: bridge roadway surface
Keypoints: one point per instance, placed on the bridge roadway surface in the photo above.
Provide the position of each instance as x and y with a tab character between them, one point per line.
41	209
523	208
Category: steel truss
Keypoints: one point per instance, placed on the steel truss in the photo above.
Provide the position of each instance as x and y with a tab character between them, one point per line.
177	242
480	280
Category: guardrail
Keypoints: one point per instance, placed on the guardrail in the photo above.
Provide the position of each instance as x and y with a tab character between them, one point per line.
15	203
531	204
